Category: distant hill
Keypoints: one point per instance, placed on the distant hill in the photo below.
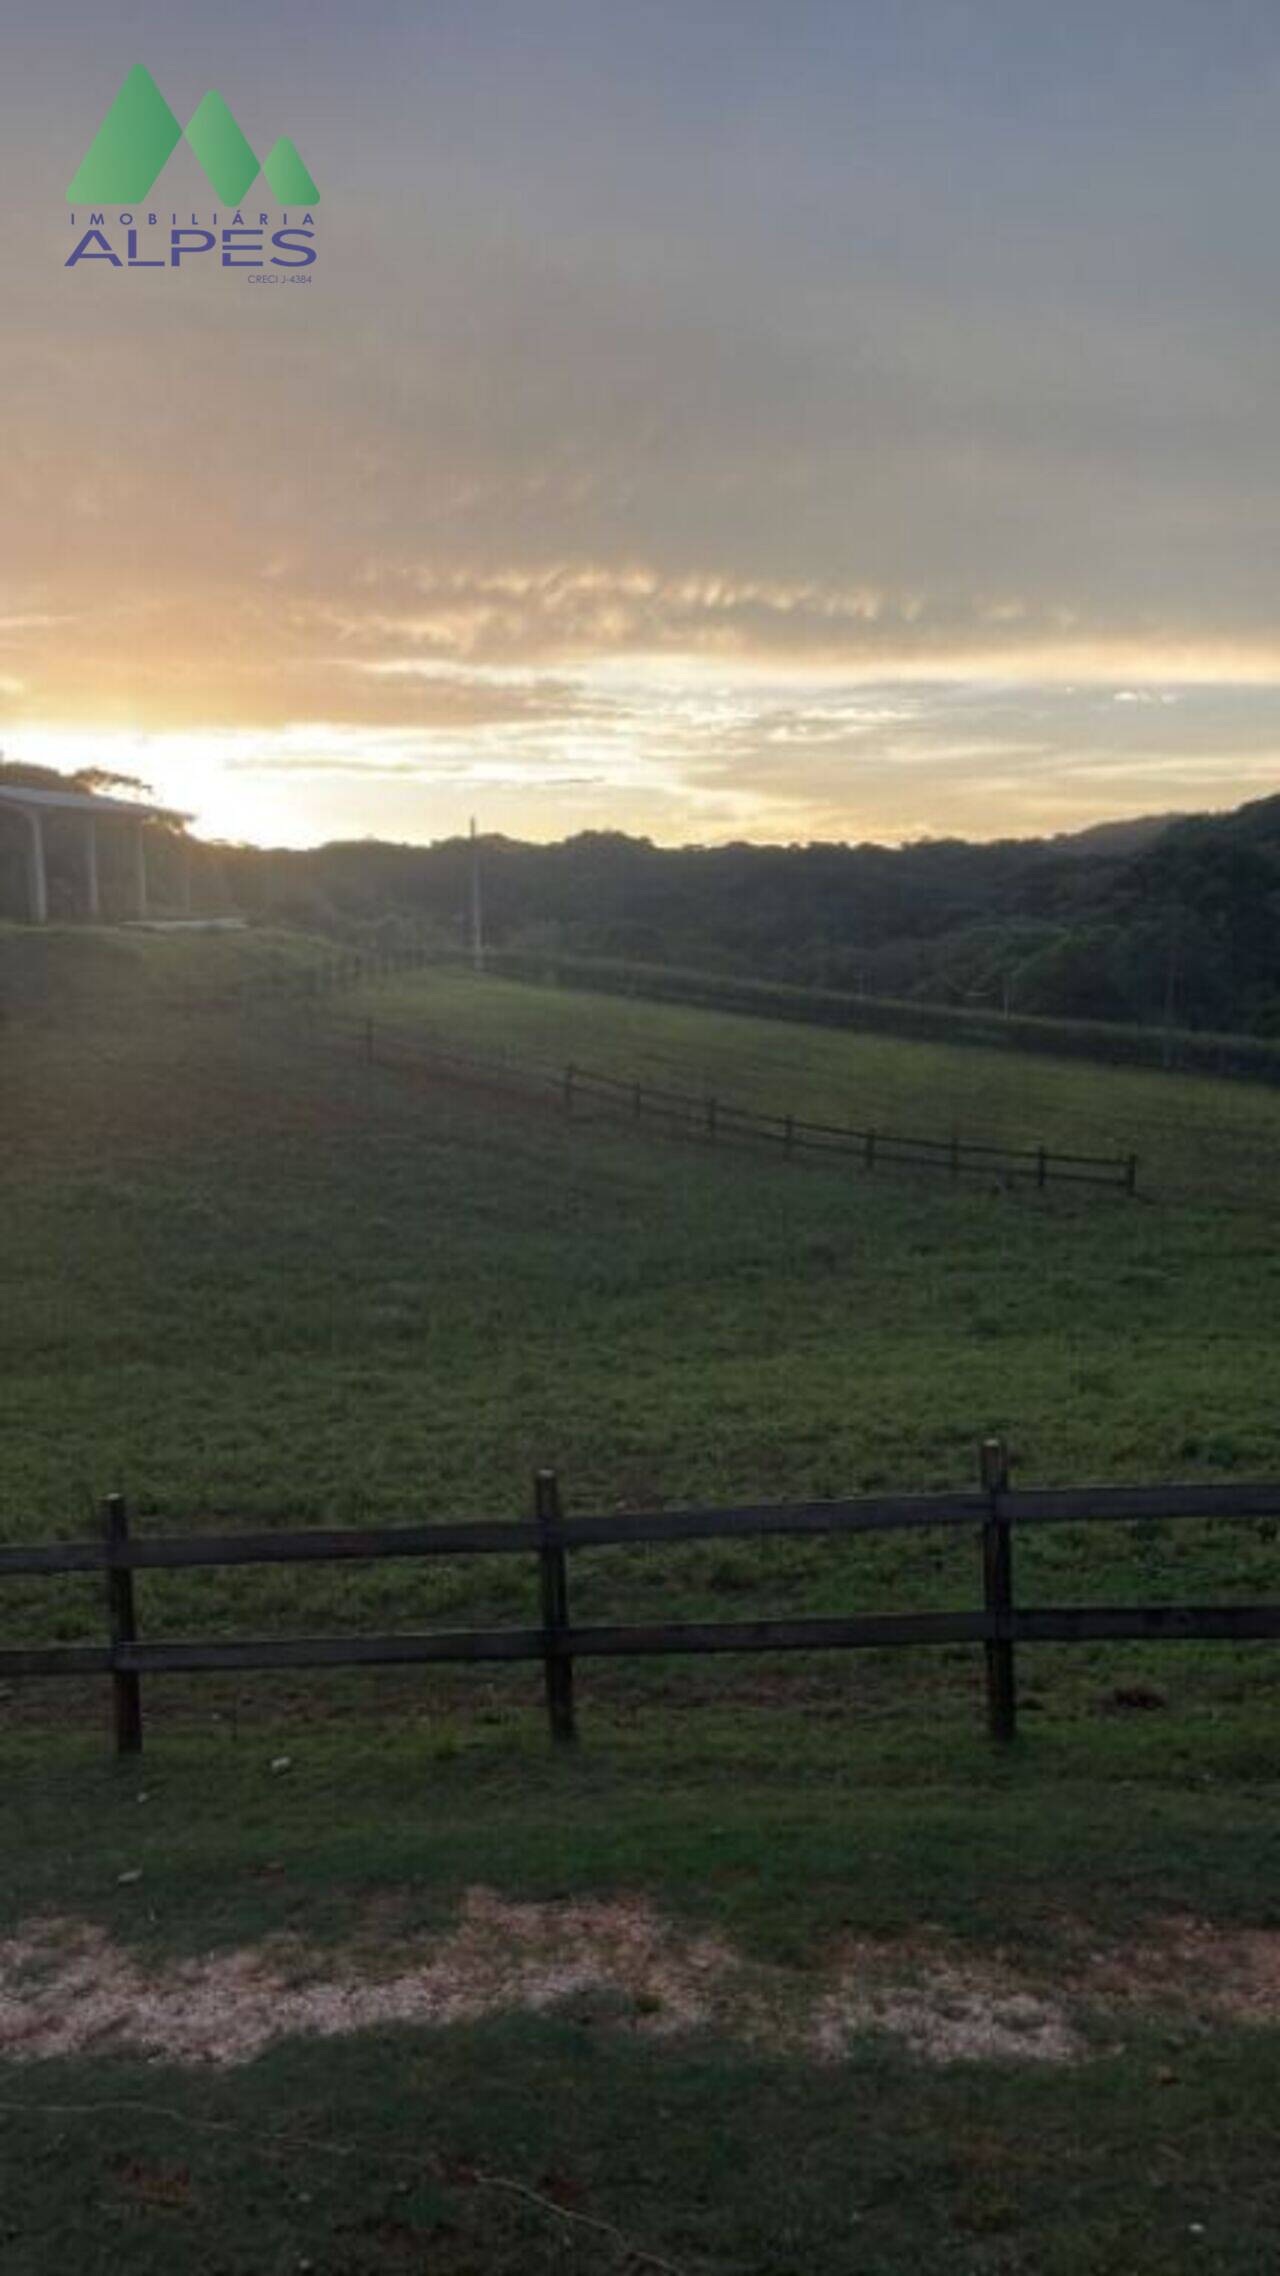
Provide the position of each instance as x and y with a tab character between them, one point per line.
1118	837
1160	919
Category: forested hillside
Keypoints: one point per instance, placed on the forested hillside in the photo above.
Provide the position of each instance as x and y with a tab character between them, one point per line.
1163	921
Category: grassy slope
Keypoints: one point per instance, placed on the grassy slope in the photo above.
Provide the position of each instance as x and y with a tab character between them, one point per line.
250	1277
1193	1133
1157	2156
246	1275
83	971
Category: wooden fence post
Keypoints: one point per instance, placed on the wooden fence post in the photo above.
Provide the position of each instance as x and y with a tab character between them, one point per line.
1042	1166
568	1089
869	1150
368	1042
637	1099
1131	1174
955	1155
997	1589
789	1134
122	1625
711	1120
553	1574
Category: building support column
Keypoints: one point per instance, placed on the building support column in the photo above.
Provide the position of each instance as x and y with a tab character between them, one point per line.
93	900
37	874
140	853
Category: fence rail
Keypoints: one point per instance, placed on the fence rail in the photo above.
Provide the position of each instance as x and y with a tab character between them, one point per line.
714	1120
995	1509
713	1117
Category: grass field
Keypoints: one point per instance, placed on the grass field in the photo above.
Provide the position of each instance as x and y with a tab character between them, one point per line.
248	1277
791	1838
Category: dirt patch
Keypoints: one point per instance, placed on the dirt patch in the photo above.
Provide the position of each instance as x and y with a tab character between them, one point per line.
66	1988
1230	1975
953	2014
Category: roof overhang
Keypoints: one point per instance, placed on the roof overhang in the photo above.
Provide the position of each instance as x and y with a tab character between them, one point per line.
83	802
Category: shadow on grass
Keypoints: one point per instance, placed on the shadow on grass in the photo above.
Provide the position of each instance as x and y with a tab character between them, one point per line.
559	2145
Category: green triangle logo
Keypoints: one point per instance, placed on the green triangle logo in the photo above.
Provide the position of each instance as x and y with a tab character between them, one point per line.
287	177
136	138
139	135
221	149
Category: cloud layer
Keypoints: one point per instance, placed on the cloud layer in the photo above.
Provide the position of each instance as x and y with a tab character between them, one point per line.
708	424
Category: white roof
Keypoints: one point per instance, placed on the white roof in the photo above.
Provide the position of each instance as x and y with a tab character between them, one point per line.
83	801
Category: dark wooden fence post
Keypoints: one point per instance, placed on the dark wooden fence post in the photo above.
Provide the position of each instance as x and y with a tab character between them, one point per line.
568	1089
368	1042
1131	1174
997	1589
637	1099
553	1573
789	1134
1042	1166
955	1155
869	1150
711	1120
122	1623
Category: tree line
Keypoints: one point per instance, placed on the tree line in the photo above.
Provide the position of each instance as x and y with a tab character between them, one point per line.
1165	923
1161	922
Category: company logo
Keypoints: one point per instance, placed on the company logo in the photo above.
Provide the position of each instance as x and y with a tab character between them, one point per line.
139	135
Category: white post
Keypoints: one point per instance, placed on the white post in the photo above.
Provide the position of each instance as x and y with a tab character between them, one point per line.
91	867
141	852
477	919
37	875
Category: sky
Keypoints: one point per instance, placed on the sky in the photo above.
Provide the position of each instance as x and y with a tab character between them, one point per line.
805	420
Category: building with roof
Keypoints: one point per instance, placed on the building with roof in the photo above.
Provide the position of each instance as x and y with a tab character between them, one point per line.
36	810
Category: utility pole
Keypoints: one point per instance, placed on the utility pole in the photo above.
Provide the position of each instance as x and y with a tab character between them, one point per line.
1171	979
477	916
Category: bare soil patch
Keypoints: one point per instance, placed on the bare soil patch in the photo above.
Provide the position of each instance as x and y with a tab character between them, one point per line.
66	1988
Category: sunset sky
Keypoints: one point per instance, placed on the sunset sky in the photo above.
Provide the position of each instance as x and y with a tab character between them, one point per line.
774	421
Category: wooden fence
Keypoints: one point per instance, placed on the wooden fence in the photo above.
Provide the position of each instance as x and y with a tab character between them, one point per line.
995	1510
303	988
717	1121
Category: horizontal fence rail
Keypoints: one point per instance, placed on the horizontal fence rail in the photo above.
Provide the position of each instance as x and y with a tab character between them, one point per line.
711	1117
996	1510
714	1120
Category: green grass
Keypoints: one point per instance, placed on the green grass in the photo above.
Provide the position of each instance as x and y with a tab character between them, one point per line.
502	2149
777	1831
1195	1135
247	1278
766	1822
88	972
